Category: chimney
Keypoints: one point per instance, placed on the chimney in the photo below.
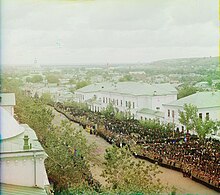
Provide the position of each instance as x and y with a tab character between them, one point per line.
26	145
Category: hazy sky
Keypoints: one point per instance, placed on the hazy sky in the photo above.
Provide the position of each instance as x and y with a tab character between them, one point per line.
107	31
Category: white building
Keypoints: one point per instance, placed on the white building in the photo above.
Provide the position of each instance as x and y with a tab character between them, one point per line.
7	101
208	104
21	158
129	97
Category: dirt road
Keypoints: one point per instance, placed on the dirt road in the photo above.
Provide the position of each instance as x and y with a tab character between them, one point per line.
170	177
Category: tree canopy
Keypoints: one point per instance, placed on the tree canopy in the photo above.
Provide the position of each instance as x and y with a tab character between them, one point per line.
127	176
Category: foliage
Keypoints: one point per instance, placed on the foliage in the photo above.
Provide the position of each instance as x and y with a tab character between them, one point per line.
77	105
46	98
127	77
217	86
68	152
189	116
151	124
127	176
109	111
186	90
82	84
52	78
204	127
34	79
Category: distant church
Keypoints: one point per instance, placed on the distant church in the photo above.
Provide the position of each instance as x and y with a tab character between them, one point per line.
22	156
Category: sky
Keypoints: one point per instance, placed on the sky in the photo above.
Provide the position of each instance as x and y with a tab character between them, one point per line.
65	32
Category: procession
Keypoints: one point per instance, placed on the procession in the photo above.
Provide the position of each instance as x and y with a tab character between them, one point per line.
178	150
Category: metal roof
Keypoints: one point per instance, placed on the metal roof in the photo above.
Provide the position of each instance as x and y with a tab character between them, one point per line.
7	99
8	189
151	112
131	88
15	144
199	99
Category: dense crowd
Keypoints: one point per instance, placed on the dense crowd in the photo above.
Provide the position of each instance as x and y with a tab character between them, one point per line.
195	158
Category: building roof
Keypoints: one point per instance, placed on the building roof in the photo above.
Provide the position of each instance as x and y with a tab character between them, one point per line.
9	126
7	99
15	144
151	112
131	88
8	189
200	100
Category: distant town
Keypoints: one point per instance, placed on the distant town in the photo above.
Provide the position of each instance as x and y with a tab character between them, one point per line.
166	113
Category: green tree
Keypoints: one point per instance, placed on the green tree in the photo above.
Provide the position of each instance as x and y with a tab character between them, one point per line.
186	90
52	78
46	98
204	127
35	79
188	116
217	86
125	78
109	111
127	176
82	84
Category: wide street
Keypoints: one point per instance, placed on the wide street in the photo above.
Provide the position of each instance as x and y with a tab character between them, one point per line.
168	176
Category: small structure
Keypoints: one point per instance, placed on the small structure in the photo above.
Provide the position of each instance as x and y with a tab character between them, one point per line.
21	158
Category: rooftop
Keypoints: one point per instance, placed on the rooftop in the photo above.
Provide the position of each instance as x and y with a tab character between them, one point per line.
200	100
15	144
131	88
8	189
7	99
9	126
151	112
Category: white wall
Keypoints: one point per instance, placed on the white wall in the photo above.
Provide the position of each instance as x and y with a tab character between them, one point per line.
20	171
214	114
10	109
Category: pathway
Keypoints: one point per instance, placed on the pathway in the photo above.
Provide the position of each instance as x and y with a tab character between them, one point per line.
170	177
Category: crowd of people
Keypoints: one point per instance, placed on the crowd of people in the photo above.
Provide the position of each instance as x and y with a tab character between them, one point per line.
197	159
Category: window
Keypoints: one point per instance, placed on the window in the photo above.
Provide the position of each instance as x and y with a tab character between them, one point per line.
141	117
182	128
117	102
129	104
106	100
173	113
168	113
103	99
109	100
207	115
121	102
145	118
126	104
133	105
200	115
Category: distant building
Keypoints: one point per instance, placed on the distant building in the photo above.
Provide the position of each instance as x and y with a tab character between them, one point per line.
129	97
208	104
21	158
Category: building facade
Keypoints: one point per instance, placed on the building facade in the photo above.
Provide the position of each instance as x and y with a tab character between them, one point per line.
208	104
128	97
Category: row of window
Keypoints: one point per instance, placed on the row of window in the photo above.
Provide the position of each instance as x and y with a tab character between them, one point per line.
200	115
117	102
